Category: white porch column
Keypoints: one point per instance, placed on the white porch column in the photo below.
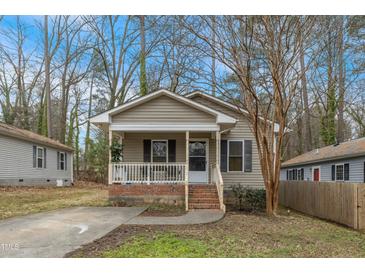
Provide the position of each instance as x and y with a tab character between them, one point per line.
187	170
110	174
217	148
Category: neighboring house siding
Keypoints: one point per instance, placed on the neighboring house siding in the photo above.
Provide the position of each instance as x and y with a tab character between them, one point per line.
356	169
239	132
163	110
16	163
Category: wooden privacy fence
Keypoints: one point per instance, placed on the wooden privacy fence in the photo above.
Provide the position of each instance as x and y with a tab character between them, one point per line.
339	202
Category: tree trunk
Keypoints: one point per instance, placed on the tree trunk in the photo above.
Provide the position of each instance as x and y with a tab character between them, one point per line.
47	77
307	123
341	84
214	80
143	77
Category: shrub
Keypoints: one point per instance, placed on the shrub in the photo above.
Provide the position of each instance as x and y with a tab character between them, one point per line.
249	199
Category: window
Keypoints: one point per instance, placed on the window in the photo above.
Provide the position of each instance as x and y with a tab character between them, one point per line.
40	157
61	158
235	161
295	174
339	173
159	151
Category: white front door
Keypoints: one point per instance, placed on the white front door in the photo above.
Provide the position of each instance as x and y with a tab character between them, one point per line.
198	161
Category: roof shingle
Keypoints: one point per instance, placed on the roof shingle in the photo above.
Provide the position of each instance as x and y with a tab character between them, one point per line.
348	149
27	135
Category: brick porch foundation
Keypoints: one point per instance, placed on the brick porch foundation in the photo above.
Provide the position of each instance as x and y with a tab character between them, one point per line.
138	194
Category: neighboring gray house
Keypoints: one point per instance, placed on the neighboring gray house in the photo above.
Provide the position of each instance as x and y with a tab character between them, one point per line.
29	159
339	162
194	146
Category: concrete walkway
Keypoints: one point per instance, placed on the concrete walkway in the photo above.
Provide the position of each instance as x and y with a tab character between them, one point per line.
193	217
55	233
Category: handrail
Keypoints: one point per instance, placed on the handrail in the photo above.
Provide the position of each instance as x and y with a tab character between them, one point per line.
218	180
149	173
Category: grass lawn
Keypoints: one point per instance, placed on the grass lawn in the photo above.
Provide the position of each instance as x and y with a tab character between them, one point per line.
16	201
237	235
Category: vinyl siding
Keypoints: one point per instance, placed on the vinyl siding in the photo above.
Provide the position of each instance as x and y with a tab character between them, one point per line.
163	110
240	132
16	162
356	170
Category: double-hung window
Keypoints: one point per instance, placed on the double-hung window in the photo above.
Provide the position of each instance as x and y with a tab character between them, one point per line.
341	172
61	161
235	156
40	157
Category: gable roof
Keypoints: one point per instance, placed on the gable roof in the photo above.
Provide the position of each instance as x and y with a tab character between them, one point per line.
225	103
105	116
27	135
344	150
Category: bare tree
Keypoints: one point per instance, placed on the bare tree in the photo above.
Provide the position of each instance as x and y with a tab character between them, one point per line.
47	77
263	54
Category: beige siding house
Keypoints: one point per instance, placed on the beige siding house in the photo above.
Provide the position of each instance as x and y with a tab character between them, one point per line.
180	149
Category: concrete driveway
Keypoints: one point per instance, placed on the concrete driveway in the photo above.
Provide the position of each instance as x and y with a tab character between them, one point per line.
55	233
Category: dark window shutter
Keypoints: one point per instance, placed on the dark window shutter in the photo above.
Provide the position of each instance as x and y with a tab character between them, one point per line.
58	160
172	151
287	174
34	156
346	172
45	158
224	155
333	173
248	155
65	160
302	174
147	151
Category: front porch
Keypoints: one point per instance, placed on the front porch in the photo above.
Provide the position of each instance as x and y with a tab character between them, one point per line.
168	164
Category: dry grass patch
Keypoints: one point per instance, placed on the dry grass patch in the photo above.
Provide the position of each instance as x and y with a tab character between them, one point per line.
17	201
237	235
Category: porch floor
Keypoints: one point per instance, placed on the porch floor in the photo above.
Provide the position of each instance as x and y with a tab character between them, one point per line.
201	216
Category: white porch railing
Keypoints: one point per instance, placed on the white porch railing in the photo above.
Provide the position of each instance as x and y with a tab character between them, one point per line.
148	173
218	181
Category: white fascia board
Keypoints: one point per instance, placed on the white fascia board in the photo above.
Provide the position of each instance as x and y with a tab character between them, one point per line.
164	128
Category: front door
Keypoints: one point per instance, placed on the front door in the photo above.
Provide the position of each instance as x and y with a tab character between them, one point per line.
316	174
198	161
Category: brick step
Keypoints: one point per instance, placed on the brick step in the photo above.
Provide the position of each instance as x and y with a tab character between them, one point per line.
202	187
203	195
204	200
203	190
203	206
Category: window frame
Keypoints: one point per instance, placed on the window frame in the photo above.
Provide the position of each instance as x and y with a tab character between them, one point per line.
37	157
167	149
343	172
64	160
242	156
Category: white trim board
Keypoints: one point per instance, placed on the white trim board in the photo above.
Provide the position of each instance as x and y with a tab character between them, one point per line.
165	128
